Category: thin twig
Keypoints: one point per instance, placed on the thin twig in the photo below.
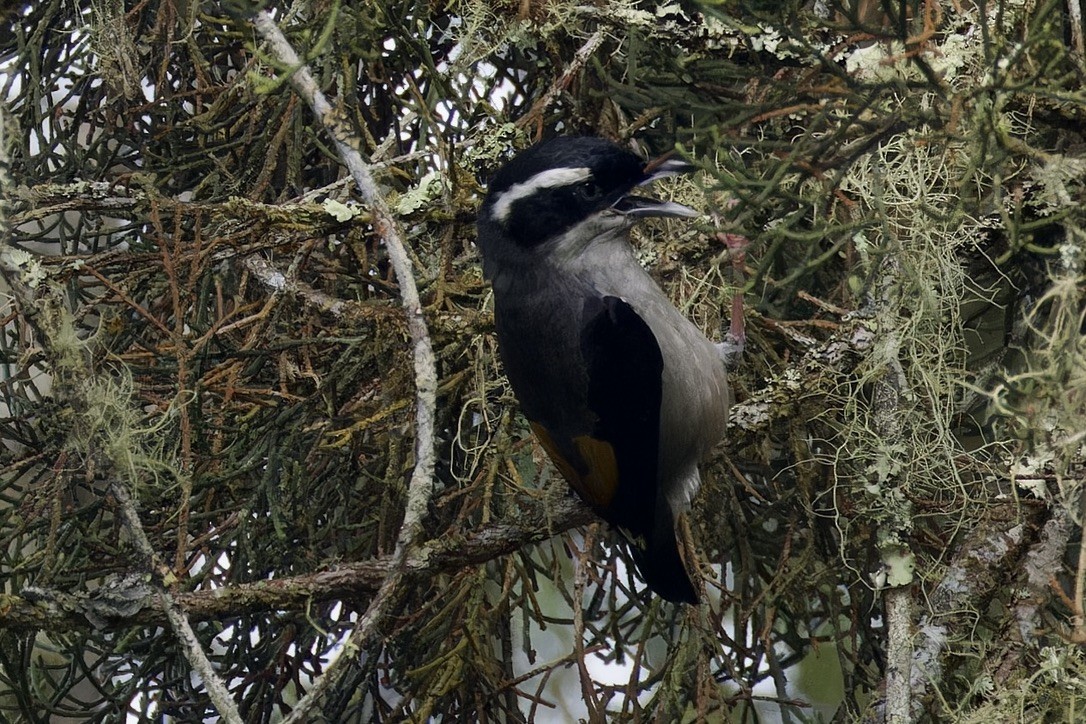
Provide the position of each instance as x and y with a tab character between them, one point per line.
535	115
75	380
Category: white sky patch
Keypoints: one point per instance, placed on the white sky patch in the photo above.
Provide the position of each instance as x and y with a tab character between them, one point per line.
548	179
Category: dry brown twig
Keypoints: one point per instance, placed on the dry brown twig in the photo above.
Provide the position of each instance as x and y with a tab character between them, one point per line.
534	117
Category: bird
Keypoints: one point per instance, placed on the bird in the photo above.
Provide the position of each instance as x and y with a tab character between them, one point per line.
624	393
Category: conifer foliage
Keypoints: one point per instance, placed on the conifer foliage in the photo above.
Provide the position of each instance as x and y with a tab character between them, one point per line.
258	457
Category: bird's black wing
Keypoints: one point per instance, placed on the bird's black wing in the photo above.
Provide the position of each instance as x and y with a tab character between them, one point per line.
614	468
625	380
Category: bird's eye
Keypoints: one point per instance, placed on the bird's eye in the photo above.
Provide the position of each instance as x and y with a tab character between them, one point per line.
589	191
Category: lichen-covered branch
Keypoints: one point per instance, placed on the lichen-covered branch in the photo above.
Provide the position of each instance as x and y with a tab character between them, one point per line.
63	611
421	485
176	617
74	379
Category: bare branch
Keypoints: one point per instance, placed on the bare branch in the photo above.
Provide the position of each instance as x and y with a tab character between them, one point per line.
74	378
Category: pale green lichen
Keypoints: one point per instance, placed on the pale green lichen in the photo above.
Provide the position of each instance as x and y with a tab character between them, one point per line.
340	211
900	567
425	192
23	263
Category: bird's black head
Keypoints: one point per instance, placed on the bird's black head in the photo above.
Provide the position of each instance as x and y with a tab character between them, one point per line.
557	184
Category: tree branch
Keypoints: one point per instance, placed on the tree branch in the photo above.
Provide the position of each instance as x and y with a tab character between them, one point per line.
977	571
900	606
57	611
73	377
178	620
420	486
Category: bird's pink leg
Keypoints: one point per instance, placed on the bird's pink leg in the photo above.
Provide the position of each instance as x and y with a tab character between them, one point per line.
736	338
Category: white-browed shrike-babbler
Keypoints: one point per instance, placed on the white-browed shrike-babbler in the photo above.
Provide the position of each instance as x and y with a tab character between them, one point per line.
625	394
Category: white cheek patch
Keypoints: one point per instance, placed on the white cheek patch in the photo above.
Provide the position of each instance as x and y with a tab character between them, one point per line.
549	179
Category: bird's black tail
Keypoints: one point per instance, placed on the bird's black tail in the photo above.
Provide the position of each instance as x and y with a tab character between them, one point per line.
659	562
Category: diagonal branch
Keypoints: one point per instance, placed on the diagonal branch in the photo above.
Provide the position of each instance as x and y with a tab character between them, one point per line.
73	378
421	485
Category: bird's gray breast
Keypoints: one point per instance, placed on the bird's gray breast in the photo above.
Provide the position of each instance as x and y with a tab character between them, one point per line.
696	398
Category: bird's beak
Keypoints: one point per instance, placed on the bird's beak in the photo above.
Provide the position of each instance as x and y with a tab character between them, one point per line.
639	206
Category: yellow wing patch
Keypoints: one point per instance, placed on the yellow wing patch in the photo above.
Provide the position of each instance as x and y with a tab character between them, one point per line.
594	475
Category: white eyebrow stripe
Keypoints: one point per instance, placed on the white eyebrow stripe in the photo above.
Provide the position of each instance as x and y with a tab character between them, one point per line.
549	179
